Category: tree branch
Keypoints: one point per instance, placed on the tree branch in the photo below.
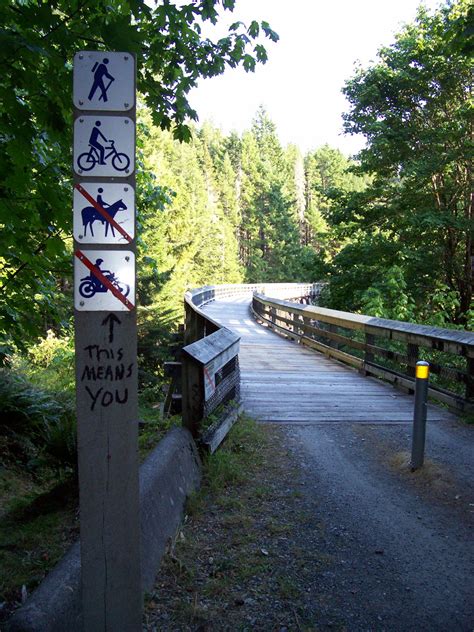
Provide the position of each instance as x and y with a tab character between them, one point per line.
11	276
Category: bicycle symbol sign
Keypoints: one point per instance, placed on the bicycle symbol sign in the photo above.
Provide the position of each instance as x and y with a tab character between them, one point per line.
104	280
104	146
104	81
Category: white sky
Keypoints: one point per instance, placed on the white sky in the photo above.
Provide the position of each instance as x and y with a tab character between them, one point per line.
300	85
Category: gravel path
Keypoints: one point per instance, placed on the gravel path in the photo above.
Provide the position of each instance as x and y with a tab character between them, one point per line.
328	529
401	542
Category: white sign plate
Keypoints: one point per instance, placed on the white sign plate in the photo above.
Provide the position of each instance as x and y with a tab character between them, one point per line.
104	81
91	227
213	367
118	267
104	146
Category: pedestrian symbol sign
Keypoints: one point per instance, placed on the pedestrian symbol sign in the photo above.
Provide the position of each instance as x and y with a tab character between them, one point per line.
104	81
104	146
104	213
104	280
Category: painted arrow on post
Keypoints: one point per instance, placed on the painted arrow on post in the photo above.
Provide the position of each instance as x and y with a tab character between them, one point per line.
110	320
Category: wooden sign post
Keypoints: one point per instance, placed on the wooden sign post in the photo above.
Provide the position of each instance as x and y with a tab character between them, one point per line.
106	345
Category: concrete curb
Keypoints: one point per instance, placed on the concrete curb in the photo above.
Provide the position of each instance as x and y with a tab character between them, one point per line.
170	473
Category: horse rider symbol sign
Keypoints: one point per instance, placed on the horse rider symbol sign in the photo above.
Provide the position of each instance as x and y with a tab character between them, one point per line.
104	213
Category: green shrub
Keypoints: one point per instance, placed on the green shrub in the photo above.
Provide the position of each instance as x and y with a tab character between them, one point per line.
40	424
154	340
50	362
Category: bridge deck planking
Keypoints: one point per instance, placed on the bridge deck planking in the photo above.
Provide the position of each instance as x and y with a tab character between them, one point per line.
283	382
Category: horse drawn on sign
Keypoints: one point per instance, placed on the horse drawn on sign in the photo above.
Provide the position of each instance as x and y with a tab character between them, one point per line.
90	214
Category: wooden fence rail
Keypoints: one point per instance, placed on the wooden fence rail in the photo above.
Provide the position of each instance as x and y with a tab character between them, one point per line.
387	349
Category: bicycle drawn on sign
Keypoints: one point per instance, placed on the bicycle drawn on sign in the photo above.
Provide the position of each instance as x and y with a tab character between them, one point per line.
104	146
97	152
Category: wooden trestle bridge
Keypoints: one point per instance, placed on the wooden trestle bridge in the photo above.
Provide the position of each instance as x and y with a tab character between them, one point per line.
263	349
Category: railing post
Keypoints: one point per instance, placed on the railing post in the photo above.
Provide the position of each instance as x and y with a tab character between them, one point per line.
296	324
412	353
306	323
470	381
368	354
333	329
193	394
188	324
273	315
210	377
370	341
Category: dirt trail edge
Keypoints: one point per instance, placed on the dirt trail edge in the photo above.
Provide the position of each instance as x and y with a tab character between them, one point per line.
330	530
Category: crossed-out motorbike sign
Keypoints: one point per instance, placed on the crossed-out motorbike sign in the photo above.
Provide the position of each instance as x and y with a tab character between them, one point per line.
104	280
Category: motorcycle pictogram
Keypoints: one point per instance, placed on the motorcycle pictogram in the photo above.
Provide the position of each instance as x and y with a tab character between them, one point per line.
90	285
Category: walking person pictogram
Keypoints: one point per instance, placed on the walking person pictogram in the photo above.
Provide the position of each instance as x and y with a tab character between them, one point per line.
100	74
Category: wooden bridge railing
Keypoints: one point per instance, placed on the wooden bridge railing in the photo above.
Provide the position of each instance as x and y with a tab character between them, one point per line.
210	363
198	324
387	349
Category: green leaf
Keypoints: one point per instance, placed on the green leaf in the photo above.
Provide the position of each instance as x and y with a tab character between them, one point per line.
254	29
249	63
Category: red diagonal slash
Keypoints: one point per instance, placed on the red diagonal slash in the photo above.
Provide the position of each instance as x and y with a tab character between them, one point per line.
104	280
209	379
102	211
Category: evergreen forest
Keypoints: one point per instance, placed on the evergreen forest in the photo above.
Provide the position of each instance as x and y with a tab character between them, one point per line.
389	230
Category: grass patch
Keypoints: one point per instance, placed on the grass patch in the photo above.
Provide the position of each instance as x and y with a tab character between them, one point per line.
153	428
238	544
431	476
234	463
288	588
467	418
38	522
